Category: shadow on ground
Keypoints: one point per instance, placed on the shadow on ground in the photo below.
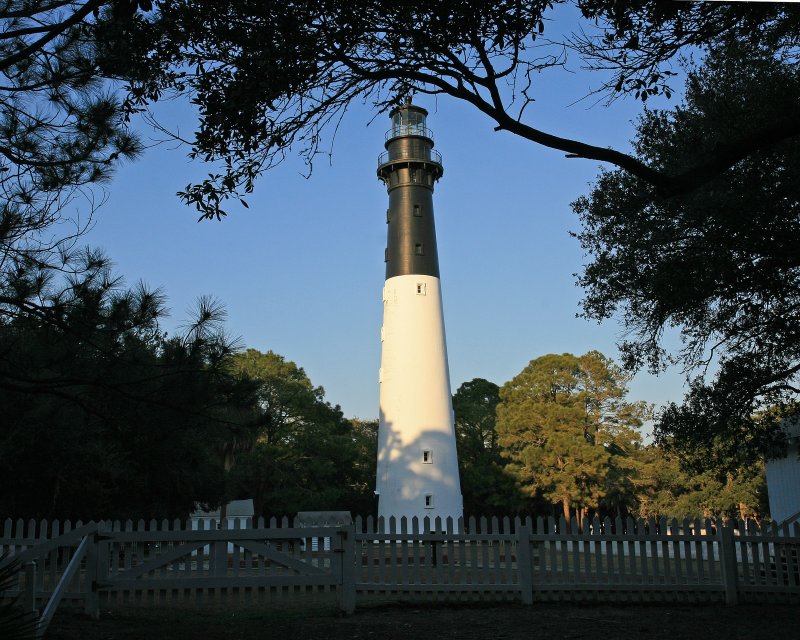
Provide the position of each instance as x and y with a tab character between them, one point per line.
504	622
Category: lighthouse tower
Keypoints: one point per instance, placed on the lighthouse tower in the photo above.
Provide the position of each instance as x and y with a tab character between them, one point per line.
417	464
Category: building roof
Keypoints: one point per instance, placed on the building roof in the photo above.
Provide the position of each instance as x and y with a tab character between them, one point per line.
236	509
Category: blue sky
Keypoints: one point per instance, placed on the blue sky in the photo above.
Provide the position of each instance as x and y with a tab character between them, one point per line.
301	270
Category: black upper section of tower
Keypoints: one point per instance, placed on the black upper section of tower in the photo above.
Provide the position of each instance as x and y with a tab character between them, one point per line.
409	167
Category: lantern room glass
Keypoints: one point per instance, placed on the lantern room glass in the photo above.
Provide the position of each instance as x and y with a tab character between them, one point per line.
408	123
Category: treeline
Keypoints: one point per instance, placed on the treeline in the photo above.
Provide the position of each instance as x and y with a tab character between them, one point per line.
105	415
560	438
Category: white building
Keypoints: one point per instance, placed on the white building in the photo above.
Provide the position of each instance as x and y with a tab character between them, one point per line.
236	511
783	477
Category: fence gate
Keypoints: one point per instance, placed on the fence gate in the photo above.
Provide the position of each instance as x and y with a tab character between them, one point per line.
159	565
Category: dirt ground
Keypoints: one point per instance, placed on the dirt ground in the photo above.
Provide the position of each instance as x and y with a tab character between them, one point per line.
502	622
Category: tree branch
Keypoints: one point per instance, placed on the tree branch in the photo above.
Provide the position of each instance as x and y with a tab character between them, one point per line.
58	29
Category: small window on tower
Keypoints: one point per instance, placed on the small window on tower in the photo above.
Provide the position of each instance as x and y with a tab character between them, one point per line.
417	211
387	216
420	288
427	457
419	249
414	175
386	254
429	501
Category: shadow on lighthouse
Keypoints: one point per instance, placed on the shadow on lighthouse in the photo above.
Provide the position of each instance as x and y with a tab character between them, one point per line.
414	484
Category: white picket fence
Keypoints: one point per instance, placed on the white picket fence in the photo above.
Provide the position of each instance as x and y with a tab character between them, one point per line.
544	559
107	564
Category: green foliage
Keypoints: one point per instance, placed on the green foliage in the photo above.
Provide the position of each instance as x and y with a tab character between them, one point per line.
306	455
475	405
270	77
61	130
665	489
104	415
485	485
363	467
638	40
267	77
566	429
719	263
15	624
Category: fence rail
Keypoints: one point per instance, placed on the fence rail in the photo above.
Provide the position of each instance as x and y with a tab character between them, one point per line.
527	560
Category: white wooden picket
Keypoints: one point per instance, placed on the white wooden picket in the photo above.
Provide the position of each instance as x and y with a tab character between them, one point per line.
542	559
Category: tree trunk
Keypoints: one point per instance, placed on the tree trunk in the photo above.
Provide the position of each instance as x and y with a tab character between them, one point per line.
258	504
56	492
565	504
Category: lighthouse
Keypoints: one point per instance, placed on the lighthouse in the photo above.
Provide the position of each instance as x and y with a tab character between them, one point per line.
417	472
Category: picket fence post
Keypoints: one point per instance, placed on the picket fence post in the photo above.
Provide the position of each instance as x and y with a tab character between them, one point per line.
91	606
525	563
727	552
29	599
347	551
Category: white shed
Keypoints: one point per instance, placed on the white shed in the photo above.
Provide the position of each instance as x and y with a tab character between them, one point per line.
237	511
783	477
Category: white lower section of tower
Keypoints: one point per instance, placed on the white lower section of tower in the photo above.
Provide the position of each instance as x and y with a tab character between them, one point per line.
417	460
